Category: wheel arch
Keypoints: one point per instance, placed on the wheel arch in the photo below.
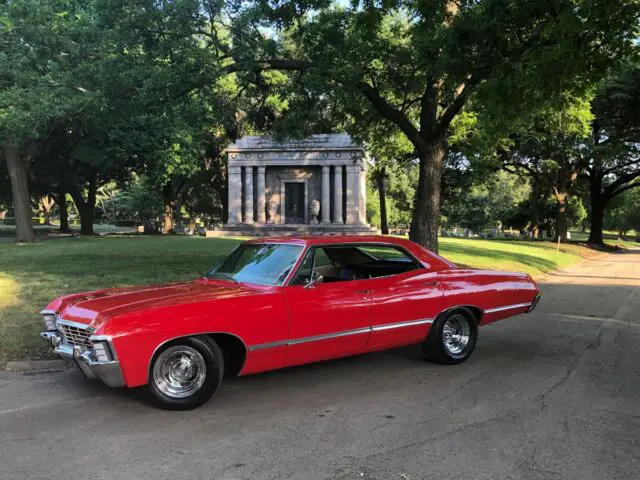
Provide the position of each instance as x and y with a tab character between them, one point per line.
477	312
234	349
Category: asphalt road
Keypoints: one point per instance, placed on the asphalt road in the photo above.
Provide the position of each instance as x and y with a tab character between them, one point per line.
554	394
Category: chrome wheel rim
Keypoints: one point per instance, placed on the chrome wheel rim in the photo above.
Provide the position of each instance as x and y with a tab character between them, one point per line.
456	334
179	371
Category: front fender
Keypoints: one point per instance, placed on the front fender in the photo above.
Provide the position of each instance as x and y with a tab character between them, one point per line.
253	319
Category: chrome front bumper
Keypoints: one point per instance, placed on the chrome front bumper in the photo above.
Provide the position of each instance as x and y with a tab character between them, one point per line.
108	372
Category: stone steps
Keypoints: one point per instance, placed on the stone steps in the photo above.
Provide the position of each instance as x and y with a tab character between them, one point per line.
289	230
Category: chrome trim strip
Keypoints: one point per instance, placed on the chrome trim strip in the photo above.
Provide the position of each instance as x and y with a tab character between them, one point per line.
329	336
83	326
389	326
264	346
507	307
315	338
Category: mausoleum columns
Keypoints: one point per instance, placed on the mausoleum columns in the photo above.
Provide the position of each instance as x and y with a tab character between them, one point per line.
341	190
234	200
248	194
272	184
337	195
353	193
362	205
261	216
325	203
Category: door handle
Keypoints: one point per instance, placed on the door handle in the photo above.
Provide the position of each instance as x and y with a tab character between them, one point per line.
362	292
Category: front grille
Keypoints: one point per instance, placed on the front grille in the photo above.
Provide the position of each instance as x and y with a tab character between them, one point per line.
75	335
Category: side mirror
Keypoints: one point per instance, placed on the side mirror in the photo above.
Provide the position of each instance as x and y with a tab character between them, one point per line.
315	280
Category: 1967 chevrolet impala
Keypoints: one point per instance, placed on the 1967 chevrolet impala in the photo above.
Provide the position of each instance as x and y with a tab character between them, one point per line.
280	302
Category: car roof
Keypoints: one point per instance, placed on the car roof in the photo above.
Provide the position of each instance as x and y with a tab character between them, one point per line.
330	239
422	254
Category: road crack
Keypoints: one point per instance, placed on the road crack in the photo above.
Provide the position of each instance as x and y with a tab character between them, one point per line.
572	366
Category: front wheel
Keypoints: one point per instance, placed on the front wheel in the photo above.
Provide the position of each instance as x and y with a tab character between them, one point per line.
185	373
452	337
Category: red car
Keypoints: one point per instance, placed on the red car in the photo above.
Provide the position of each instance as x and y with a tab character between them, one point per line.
277	302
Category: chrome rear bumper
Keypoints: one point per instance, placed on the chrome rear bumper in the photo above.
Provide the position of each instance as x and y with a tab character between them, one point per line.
534	304
108	372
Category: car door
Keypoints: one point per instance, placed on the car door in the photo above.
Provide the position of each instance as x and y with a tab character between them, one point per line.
404	305
327	319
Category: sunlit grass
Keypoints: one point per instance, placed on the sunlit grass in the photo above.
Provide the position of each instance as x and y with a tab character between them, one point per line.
522	256
32	275
623	243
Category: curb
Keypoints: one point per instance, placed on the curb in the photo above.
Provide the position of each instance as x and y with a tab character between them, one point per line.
36	366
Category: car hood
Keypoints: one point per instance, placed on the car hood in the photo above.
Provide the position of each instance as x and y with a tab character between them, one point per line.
92	308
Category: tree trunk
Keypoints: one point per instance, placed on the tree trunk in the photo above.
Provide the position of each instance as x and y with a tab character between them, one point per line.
20	192
85	208
597	209
64	213
224	201
597	215
169	208
86	218
426	209
562	225
177	210
382	193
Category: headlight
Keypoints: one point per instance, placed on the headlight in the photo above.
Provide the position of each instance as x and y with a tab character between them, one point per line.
49	321
102	351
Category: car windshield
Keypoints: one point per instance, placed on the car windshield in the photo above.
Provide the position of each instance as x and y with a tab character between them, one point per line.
259	263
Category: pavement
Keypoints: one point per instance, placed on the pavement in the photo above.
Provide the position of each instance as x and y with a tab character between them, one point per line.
550	395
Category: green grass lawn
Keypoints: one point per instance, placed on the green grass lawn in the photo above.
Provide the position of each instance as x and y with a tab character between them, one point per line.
623	243
533	257
32	275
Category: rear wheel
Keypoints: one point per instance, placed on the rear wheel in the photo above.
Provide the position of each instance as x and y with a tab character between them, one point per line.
452	337
186	373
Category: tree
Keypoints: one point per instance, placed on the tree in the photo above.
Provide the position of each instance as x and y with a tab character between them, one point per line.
614	163
87	90
137	199
488	202
624	213
416	65
549	147
30	96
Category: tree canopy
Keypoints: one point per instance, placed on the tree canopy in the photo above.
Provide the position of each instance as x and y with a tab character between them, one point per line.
103	92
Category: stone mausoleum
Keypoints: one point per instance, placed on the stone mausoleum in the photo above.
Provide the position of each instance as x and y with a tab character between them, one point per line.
316	185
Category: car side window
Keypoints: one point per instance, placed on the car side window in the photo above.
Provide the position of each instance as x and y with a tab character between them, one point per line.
385	253
318	262
381	261
321	259
303	275
343	263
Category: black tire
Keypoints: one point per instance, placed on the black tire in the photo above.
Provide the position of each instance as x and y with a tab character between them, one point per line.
441	346
187	358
